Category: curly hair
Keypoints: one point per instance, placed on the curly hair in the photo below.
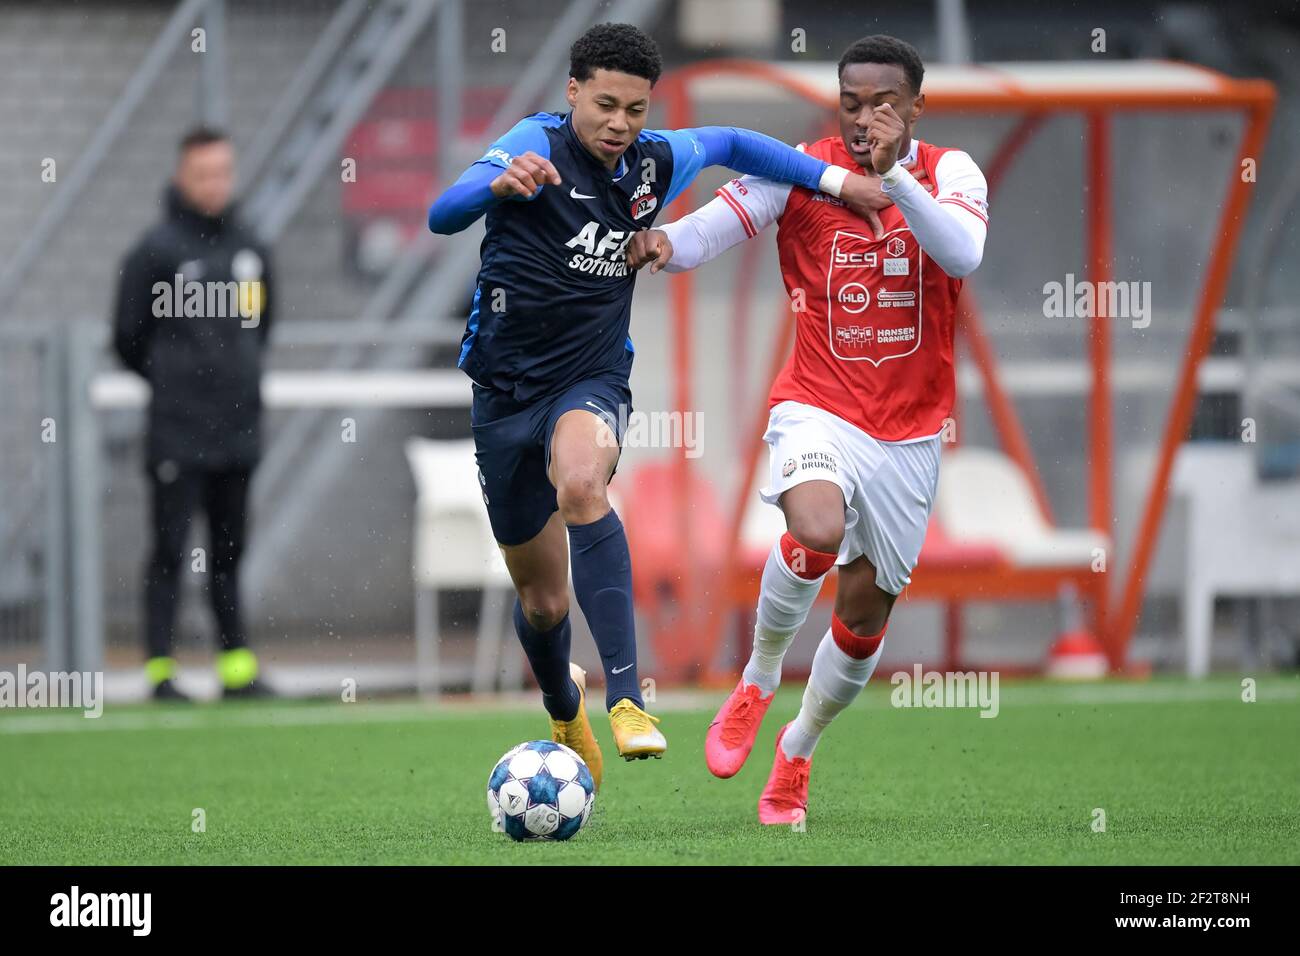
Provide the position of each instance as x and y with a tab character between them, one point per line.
615	46
886	49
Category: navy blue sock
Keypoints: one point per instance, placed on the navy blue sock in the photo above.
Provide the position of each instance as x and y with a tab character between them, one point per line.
548	655
602	580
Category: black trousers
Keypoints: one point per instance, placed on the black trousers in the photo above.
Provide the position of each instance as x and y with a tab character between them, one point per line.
177	491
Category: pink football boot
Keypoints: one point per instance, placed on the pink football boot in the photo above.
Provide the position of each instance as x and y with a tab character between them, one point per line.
731	735
785	798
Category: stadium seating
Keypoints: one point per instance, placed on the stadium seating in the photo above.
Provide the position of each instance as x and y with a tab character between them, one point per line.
1242	537
987	541
454	548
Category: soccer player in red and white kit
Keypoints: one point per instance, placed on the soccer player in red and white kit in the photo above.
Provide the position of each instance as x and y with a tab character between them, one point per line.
858	411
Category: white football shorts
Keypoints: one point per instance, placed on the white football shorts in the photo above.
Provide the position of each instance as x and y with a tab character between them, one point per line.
888	487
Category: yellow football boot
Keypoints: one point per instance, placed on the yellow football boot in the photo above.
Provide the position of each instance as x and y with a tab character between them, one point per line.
635	732
576	733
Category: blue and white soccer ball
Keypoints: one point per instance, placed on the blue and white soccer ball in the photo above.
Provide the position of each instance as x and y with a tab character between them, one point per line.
540	790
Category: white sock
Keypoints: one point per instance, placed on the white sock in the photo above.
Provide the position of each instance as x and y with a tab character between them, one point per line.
835	681
784	601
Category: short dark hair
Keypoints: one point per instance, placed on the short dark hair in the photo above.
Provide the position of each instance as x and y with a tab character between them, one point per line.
201	136
615	46
886	49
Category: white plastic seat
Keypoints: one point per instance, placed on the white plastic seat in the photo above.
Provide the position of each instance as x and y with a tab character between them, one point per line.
454	548
1243	537
984	498
763	524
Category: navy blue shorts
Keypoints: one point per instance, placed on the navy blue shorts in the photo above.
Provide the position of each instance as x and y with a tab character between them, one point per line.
512	446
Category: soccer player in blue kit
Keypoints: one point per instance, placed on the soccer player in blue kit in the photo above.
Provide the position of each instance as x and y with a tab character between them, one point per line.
548	351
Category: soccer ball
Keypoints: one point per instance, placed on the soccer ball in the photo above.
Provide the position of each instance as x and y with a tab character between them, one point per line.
540	790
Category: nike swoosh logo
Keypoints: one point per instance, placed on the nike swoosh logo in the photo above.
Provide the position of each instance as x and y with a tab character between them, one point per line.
574	194
619	670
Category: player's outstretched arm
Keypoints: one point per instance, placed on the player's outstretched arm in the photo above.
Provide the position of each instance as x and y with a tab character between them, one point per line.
749	152
761	156
743	208
484	185
758	154
515	167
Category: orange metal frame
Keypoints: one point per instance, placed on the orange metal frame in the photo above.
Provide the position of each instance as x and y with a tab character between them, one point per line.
705	608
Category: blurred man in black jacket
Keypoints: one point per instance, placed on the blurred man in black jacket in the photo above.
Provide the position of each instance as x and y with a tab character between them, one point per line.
193	313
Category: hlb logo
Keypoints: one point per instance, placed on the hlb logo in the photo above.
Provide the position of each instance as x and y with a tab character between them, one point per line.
854	297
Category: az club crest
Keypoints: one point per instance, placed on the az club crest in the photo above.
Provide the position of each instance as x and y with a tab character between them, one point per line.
644	201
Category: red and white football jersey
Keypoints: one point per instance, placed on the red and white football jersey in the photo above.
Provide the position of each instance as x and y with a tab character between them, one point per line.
874	340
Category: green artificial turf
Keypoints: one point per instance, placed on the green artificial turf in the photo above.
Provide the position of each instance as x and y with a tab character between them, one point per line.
1186	774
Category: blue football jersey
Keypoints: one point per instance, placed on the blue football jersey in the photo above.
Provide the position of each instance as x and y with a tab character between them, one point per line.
554	294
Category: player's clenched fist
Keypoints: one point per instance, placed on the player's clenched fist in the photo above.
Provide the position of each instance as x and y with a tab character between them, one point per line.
649	246
527	174
885	136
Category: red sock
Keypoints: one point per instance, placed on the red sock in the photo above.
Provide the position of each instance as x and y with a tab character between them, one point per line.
804	562
855	645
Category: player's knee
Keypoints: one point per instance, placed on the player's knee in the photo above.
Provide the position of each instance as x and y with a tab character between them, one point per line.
866	615
867	624
855	637
581	497
817	532
804	561
544	611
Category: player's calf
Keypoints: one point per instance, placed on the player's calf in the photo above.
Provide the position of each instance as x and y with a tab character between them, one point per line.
843	664
583	455
792	577
793	573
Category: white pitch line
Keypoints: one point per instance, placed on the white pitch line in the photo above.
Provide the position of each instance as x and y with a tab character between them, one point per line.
1125	693
209	717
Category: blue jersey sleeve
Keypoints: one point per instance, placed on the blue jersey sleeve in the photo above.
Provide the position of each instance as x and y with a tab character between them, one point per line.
470	196
528	135
465	200
740	149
